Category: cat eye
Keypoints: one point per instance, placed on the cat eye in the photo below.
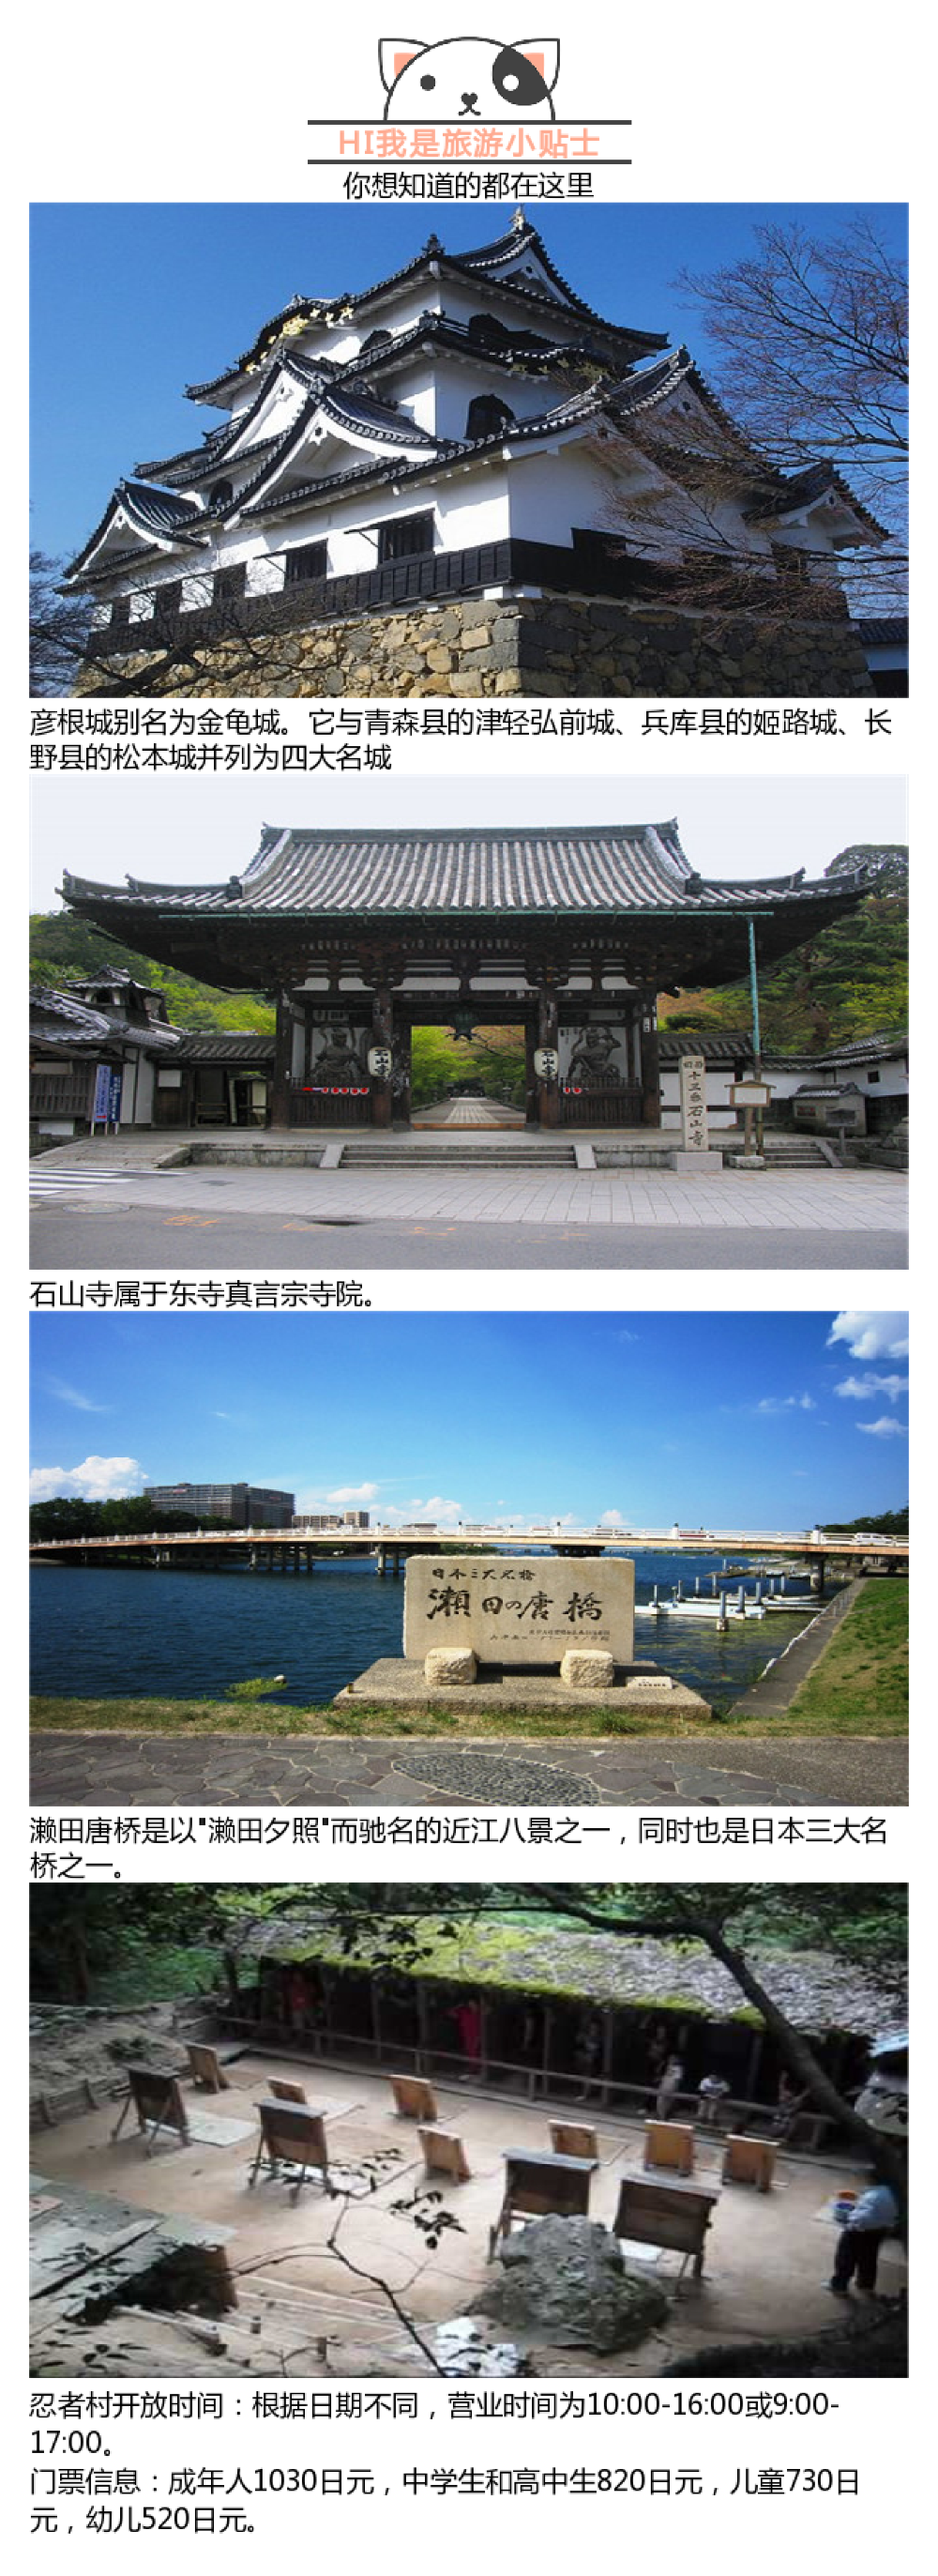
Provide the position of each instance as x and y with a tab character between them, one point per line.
428	81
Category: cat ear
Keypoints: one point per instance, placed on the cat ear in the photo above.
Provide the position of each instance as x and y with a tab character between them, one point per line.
394	52
544	53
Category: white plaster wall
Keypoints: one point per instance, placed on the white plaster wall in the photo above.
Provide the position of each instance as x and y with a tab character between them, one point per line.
550	494
893	1079
893	1082
283	403
415	394
456	381
138	1111
474	509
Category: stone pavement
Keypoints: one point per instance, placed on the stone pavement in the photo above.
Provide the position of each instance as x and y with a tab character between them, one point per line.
386	1771
762	1203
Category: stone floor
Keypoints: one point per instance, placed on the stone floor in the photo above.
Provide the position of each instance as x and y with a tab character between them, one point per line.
769	2256
826	1201
106	1770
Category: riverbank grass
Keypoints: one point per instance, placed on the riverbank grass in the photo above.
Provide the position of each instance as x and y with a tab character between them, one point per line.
860	1684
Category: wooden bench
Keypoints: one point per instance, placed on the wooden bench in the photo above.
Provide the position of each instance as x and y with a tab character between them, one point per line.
542	2186
675	2215
414	2098
670	2143
444	2153
157	2100
749	2160
284	2090
205	2066
291	2134
572	2138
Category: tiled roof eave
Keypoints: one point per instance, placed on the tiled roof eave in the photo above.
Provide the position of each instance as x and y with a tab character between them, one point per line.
432	263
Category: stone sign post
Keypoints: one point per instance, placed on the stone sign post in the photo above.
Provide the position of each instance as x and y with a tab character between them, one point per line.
694	1150
460	1611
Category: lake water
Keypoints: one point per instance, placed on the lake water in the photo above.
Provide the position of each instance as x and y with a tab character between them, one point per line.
128	1632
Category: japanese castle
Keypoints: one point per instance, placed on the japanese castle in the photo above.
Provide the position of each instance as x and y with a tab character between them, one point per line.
466	426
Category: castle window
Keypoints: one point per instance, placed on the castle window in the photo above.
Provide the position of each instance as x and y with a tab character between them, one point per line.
487	414
484	326
229	582
220	495
376	340
306	563
400	537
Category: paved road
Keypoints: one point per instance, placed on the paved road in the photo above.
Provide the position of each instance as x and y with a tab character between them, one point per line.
385	1771
68	1235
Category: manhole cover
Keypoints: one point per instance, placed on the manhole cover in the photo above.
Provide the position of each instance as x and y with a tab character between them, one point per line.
497	1779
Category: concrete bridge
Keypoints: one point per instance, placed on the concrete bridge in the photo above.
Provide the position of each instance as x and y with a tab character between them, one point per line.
297	1551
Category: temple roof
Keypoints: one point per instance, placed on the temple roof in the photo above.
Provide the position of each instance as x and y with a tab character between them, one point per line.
493	262
726	1046
226	1046
603	870
58	1018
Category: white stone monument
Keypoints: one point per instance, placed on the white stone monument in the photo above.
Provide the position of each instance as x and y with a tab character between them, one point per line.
461	1611
693	1154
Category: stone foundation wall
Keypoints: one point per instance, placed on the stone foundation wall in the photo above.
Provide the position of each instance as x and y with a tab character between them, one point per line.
549	647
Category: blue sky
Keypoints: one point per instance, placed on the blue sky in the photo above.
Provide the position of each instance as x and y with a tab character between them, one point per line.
132	302
742	1420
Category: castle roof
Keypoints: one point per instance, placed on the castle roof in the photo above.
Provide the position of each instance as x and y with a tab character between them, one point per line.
493	263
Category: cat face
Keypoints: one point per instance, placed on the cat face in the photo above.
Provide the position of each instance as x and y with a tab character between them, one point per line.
469	80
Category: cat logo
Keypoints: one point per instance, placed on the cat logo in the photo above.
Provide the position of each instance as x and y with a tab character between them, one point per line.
469	80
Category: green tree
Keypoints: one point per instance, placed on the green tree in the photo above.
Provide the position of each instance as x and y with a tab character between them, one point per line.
61	946
850	982
438	1059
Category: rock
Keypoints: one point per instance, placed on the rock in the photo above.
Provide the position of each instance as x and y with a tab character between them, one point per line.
587	1666
450	1664
563	2281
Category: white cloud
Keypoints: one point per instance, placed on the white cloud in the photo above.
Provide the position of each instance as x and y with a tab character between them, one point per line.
97	1480
610	1520
887	1428
72	1395
352	1494
861	1387
870	1336
786	1404
433	1508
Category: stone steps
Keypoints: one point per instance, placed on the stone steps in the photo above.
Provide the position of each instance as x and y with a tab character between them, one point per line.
800	1153
459	1153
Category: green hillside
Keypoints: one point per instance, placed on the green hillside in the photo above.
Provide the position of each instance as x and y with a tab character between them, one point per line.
60	946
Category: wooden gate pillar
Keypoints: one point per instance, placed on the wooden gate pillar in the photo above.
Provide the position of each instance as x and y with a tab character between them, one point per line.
651	1069
382	1035
548	1093
282	1083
